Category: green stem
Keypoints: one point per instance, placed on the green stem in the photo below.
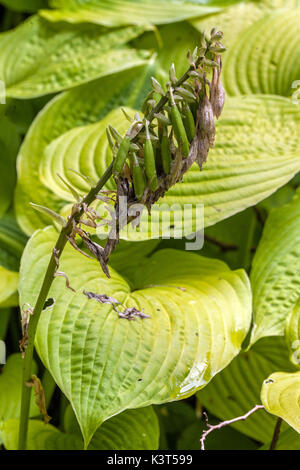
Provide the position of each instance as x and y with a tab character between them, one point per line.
43	295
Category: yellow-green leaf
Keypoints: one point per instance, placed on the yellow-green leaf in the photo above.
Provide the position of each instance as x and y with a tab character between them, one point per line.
255	153
235	390
275	275
38	58
121	12
280	396
11	387
265	58
131	430
292	334
199	310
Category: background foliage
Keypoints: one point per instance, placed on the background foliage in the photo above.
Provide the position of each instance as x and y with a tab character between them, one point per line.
224	328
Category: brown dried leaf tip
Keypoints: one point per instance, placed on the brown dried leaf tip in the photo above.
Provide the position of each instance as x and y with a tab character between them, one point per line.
129	313
36	384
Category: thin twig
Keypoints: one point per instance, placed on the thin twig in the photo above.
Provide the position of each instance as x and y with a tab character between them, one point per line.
276	434
221	425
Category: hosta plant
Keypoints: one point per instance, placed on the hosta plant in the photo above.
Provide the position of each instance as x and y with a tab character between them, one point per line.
149	225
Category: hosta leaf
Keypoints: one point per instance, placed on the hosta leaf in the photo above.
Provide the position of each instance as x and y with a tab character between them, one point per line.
275	274
232	21
9	142
8	288
292	334
265	63
237	388
233	179
280	395
28	6
199	314
11	387
256	62
131	430
38	58
121	12
83	105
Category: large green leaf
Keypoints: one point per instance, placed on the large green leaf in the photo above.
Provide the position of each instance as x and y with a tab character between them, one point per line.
11	388
232	21
38	58
280	395
199	310
83	105
262	40
292	334
24	5
237	388
260	62
9	143
8	288
131	430
121	12
248	147
275	274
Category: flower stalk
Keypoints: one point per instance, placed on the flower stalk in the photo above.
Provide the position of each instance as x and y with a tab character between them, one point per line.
142	148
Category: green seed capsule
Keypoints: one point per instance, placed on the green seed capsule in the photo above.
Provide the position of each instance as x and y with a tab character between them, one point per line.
189	123
178	127
139	182
179	131
149	162
166	152
121	156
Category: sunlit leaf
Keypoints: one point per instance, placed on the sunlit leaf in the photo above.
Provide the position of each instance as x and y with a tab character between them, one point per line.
254	139
10	389
121	12
131	430
236	390
8	288
199	311
262	44
265	63
275	274
38	58
292	334
280	395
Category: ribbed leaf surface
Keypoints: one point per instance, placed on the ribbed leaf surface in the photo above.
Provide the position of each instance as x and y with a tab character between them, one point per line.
199	311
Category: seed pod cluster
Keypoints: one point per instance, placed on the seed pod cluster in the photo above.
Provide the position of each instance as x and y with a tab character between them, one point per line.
178	127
